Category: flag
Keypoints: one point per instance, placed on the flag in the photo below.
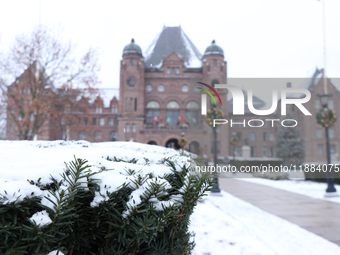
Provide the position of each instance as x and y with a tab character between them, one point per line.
167	120
160	119
179	118
155	119
187	121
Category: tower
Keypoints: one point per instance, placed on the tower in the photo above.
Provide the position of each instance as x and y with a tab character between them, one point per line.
132	87
214	65
214	70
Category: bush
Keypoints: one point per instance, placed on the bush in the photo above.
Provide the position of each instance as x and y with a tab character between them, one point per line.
80	214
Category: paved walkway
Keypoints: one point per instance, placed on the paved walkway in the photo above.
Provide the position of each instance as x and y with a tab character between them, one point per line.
315	215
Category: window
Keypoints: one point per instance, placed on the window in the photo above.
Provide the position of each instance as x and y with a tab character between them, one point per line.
177	70
148	87
172	113
192	113
264	136
133	128
168	70
252	136
239	135
113	136
81	136
110	122
102	121
320	149
99	109
116	122
86	121
152	111
330	104
114	108
252	151
272	152
153	104
331	133
160	88
127	128
218	144
136	104
271	137
97	136
238	151
94	121
172	70
192	105
264	151
332	149
215	62
151	115
131	61
319	132
126	104
172	104
317	104
131	104
185	88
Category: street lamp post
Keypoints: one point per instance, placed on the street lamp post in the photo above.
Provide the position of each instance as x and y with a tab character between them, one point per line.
215	188
330	191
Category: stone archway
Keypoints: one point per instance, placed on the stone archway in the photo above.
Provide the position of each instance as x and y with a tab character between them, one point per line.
172	143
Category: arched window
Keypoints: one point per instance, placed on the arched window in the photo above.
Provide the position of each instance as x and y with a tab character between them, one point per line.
172	105
192	113
152	111
214	82
97	136
152	104
127	128
113	136
133	128
172	113
192	105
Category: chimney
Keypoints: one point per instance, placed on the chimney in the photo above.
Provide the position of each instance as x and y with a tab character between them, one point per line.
289	84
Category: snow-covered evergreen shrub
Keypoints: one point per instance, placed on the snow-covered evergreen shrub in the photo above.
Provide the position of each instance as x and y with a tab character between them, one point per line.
104	211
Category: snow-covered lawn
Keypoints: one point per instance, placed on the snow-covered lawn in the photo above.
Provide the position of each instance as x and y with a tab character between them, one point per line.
307	188
223	225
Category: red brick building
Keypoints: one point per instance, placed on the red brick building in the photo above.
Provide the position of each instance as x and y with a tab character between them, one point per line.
159	102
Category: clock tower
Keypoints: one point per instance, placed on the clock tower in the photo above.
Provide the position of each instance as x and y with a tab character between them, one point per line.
131	98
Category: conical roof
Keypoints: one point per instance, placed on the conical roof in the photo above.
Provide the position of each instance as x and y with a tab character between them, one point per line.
172	39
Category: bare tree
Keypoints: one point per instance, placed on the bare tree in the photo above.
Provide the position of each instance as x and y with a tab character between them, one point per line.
3	106
43	75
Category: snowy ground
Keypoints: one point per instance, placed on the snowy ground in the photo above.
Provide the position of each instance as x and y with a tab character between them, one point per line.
223	225
228	225
307	188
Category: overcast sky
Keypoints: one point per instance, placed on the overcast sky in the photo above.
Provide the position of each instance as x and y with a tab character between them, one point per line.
260	38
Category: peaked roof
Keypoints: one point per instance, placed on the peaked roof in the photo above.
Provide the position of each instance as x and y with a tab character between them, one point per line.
172	39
